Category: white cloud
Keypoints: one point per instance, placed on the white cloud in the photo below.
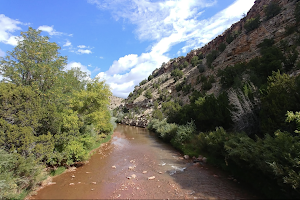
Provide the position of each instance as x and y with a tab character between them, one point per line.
67	44
7	27
84	51
49	29
78	65
2	53
101	57
167	23
82	46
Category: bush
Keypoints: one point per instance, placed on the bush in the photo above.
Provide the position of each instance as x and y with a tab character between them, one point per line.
211	57
185	64
222	47
157	114
177	74
183	135
148	94
272	10
143	82
150	77
194	61
201	68
251	24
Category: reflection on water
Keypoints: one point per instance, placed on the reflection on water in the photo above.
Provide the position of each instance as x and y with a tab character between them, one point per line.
121	169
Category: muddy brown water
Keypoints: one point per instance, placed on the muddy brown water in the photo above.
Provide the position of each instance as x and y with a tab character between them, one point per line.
121	168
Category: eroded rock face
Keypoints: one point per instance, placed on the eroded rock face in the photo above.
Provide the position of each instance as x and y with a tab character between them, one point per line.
242	49
115	102
140	121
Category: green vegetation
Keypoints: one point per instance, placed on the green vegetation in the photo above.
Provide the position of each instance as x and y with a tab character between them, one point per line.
252	24
251	129
222	47
150	77
177	74
272	10
148	94
194	61
48	117
143	82
211	57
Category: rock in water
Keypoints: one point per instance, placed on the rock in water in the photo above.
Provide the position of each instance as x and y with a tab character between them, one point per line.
151	177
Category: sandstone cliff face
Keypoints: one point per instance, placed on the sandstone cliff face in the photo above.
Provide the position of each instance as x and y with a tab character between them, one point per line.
115	102
242	49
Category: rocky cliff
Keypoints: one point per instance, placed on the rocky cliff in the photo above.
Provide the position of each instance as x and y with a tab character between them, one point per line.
236	45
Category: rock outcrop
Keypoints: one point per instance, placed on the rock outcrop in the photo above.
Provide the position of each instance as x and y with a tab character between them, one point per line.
242	48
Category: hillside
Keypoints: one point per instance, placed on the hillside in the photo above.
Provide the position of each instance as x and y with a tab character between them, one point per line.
201	69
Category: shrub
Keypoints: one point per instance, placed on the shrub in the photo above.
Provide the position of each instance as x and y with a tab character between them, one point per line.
272	10
177	74
251	24
211	57
194	61
201	68
150	77
229	38
185	64
183	134
157	114
143	82
148	94
222	47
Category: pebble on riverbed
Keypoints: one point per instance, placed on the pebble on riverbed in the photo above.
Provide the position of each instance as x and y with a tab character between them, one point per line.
114	167
151	177
144	172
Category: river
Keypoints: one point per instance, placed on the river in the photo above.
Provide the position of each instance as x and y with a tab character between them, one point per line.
135	164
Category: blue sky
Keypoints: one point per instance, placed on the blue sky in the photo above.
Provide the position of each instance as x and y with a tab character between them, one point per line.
121	41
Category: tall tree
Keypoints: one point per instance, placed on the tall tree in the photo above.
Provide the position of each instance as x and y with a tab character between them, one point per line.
35	61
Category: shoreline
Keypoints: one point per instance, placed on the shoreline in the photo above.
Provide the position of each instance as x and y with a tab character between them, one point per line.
48	180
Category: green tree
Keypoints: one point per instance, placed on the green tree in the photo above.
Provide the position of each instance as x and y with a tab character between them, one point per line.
195	61
177	74
34	61
252	23
272	10
281	95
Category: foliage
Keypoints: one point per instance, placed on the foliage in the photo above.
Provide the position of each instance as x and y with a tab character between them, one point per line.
150	77
157	114
34	62
185	64
222	47
177	74
230	75
201	67
272	10
17	173
194	61
47	116
143	82
211	57
230	37
148	94
281	95
252	24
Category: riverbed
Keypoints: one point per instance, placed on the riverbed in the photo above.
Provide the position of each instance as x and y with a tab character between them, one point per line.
136	164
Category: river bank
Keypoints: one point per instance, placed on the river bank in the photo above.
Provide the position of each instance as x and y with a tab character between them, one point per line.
135	164
55	172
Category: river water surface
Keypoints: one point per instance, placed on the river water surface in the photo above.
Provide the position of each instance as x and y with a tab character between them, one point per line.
135	164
